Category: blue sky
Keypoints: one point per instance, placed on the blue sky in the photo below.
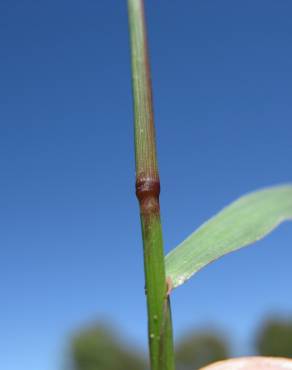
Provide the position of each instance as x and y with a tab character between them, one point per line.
70	233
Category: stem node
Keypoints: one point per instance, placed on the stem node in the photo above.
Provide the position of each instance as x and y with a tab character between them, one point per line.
147	187
147	192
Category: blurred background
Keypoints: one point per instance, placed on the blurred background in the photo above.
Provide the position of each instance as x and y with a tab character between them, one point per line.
71	268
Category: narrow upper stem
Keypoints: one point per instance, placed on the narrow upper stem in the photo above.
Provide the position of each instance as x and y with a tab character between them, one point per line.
145	149
147	191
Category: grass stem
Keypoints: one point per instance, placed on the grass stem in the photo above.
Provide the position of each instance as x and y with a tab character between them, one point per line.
147	191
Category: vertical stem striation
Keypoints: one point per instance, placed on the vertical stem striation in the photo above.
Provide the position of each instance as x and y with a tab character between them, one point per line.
147	191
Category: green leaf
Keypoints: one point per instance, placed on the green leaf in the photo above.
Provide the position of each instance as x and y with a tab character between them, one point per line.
243	222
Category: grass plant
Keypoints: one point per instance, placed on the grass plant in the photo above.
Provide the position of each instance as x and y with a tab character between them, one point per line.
245	221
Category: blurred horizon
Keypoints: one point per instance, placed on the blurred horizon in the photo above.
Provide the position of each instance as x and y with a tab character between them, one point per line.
100	346
70	236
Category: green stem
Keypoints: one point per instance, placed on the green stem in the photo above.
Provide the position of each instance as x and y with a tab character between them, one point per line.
147	191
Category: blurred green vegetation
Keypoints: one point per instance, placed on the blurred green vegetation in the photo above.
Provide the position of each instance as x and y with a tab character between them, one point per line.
275	338
97	347
199	349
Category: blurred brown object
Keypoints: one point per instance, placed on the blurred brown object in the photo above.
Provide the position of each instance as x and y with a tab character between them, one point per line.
252	363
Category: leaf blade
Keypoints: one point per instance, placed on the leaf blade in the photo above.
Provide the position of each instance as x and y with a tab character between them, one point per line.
243	222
